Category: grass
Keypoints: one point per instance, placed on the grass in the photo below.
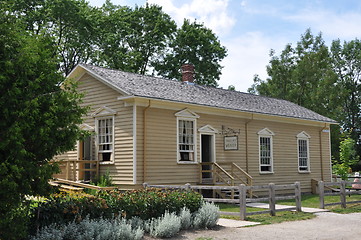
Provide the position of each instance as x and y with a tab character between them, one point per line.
311	201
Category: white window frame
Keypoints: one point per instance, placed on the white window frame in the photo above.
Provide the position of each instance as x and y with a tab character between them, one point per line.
266	133
187	115
102	114
303	136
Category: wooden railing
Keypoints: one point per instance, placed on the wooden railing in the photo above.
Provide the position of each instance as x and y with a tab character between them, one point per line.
271	197
343	192
72	167
229	175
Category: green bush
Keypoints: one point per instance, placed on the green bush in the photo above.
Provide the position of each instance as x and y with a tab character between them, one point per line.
151	203
145	204
67	207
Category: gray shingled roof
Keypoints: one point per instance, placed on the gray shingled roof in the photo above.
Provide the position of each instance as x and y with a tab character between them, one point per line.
176	91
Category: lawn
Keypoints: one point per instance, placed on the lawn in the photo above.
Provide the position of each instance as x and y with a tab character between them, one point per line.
309	200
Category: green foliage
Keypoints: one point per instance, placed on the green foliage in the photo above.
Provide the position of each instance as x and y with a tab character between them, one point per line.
348	159
145	204
149	203
302	74
104	180
140	39
346	59
39	117
325	80
196	44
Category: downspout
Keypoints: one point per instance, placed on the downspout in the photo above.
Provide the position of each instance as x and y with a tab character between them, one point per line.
321	155
246	130
145	142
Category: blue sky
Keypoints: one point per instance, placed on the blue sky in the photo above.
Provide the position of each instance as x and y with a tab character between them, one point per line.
249	29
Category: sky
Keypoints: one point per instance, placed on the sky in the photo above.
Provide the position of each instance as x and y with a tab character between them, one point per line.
249	29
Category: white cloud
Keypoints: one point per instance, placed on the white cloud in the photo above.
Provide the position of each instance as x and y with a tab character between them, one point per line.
213	13
248	55
345	26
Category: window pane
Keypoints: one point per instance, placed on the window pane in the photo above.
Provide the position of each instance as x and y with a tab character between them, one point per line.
186	140
303	155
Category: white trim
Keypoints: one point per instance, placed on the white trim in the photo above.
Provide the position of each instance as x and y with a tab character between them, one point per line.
194	120
122	98
186	113
112	157
303	136
103	111
213	143
265	133
208	129
134	144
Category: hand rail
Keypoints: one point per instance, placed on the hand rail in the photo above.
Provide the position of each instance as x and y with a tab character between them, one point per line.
71	166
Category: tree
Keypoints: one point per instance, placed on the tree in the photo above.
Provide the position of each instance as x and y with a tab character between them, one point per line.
39	118
348	158
70	23
132	39
346	61
305	75
196	44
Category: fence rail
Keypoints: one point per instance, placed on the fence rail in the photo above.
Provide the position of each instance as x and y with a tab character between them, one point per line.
243	200
342	193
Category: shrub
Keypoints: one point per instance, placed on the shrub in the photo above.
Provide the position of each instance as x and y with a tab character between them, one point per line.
100	229
67	207
151	203
166	226
186	218
206	217
145	204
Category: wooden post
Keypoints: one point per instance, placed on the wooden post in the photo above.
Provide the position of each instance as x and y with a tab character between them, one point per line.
298	196
321	192
343	194
67	170
272	199
74	171
242	201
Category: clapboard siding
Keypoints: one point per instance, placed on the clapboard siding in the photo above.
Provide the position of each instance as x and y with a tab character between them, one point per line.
97	95
162	167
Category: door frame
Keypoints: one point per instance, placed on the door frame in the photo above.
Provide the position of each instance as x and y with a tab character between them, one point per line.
211	131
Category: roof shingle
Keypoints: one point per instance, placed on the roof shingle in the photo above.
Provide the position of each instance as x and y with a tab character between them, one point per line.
171	90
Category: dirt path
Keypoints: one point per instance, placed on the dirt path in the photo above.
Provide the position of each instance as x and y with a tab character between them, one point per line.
325	226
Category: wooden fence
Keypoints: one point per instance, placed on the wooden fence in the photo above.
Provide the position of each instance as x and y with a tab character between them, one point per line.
243	200
343	191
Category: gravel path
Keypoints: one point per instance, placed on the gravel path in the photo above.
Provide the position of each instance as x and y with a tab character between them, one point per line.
325	226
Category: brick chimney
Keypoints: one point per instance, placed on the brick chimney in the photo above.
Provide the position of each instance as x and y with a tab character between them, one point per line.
188	73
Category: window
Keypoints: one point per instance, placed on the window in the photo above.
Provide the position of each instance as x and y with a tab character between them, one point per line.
186	136
104	127
303	152
105	139
265	151
186	140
